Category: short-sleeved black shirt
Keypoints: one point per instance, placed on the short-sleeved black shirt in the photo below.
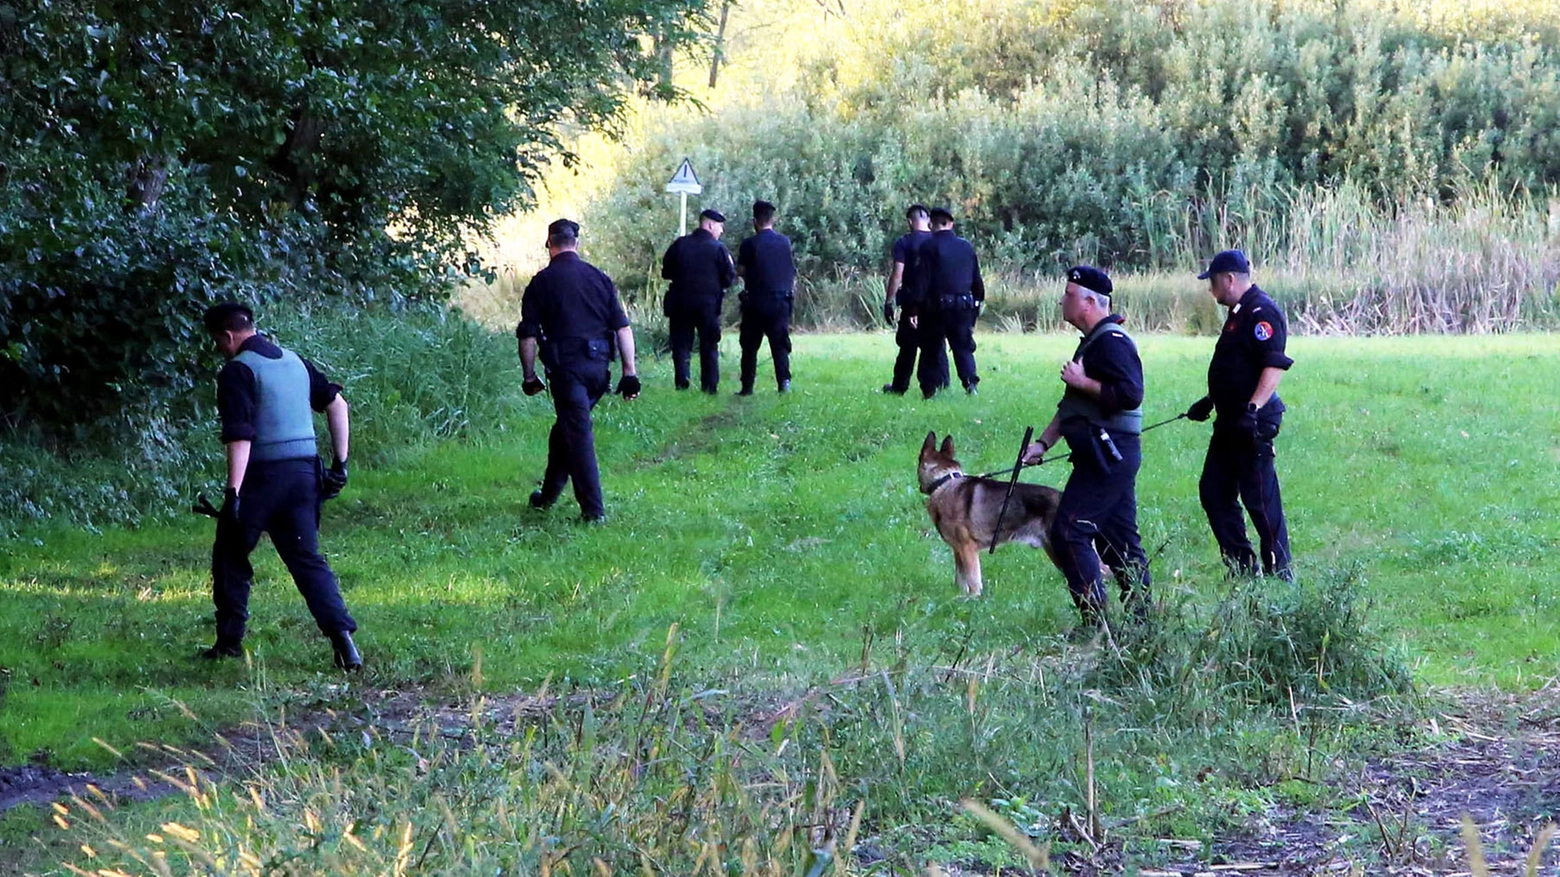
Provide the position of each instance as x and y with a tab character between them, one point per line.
948	266
699	267
766	263
569	302
1253	339
238	394
907	253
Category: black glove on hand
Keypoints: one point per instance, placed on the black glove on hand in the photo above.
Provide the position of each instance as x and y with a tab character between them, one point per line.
335	480
628	386
228	515
1201	410
532	386
1246	423
888	314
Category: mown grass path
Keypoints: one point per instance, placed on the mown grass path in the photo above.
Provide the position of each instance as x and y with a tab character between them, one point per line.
778	531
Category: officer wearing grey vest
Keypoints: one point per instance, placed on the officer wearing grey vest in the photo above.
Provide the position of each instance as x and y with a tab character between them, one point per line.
1100	416
266	397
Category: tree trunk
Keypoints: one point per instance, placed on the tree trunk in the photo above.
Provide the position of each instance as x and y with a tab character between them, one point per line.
720	42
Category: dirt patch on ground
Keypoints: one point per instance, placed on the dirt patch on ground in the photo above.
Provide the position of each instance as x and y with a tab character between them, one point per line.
1499	764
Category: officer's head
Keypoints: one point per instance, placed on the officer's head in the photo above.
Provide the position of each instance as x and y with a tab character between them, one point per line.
1086	298
1228	276
941	218
229	324
918	217
713	222
763	214
562	235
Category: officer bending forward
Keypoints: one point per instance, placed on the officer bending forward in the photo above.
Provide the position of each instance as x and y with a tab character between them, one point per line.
275	480
572	317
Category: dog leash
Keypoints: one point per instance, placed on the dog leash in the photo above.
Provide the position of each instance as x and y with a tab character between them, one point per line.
1061	454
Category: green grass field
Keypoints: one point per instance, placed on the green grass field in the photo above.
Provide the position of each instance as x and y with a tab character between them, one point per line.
785	538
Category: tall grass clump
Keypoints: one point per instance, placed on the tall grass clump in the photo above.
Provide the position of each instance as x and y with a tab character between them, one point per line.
412	376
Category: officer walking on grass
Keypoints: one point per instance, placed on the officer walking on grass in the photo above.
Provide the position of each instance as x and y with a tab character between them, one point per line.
902	288
768	273
266	399
572	320
951	295
700	269
1101	418
1248	363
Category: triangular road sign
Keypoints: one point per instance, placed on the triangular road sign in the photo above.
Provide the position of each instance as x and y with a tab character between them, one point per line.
684	181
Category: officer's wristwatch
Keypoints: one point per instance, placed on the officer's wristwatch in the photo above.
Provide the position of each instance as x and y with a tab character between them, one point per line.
1252	407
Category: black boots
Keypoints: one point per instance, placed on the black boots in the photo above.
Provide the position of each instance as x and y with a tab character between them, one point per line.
223	649
348	657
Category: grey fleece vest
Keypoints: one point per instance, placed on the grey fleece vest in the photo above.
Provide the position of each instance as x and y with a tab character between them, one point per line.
1077	404
284	423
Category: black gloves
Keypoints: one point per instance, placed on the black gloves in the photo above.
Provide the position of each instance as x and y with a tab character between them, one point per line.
229	513
1201	410
335	480
628	386
888	313
1246	423
532	385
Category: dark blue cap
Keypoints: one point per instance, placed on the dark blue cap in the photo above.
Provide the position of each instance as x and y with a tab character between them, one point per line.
713	215
1090	278
563	228
941	215
1229	261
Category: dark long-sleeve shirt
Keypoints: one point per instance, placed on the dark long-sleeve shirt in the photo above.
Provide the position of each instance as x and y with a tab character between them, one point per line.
948	267
766	264
699	267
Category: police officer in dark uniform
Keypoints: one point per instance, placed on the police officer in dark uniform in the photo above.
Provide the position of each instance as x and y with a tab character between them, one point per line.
700	269
768	273
1248	362
266	398
952	294
901	291
1101	418
571	318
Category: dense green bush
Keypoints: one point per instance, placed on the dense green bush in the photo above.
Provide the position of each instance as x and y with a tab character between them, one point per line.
1139	136
156	156
412	376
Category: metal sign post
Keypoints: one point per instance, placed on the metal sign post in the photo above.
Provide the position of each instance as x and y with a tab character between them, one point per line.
684	183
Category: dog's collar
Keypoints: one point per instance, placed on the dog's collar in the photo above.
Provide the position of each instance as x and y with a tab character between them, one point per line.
943	480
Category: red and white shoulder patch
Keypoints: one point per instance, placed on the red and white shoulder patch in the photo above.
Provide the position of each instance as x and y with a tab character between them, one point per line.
1263	331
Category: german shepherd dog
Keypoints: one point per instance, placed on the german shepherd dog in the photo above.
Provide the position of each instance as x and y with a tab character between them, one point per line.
964	510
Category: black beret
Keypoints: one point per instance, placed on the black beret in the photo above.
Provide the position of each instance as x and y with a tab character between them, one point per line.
1090	278
712	215
565	227
217	316
941	214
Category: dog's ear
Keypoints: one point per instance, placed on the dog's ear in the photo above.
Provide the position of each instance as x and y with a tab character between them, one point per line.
947	447
930	444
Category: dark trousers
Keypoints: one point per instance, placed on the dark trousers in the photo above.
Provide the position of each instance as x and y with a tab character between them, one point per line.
909	340
765	316
1097	520
281	498
959	325
932	372
684	320
571	446
1239	465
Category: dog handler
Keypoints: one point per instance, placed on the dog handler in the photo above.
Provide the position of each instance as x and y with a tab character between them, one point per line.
1100	415
768	272
1248	362
275	482
571	318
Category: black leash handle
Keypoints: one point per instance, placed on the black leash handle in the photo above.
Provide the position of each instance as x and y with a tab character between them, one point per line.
1064	453
996	532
